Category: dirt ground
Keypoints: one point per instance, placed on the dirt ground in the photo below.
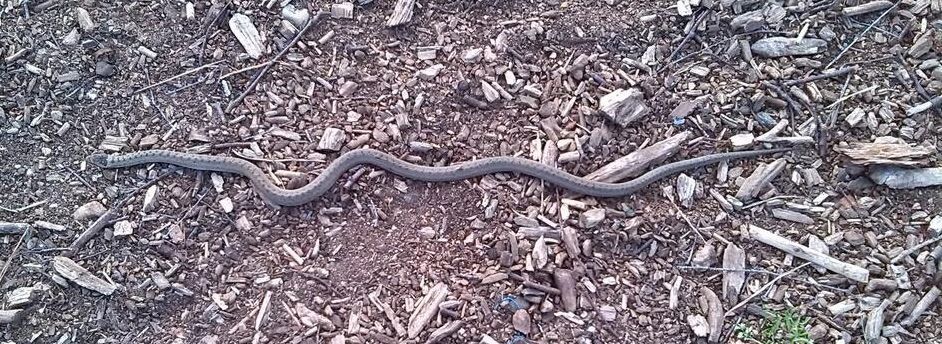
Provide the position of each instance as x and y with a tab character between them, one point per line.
378	239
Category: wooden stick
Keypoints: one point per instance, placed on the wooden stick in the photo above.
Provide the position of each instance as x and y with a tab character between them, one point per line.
732	311
258	76
172	78
848	270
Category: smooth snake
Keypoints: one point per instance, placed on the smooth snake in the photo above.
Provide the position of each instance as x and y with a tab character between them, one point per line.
277	196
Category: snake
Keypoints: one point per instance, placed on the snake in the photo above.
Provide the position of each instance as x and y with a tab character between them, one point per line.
277	196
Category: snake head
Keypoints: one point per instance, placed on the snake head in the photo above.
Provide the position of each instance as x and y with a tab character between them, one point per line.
100	160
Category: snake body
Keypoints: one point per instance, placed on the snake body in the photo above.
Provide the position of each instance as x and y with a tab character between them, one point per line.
278	196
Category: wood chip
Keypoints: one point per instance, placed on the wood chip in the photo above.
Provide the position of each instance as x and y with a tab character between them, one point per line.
426	309
734	276
79	275
401	14
848	270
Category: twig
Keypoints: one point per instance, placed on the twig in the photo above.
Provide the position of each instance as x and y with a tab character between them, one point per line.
690	34
172	78
258	76
842	99
101	222
788	99
757	271
16	249
912	75
211	23
826	75
764	287
909	251
856	38
25	207
246	69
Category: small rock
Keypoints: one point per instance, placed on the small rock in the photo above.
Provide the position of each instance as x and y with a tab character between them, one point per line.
592	217
490	93
160	280
72	38
332	140
704	257
921	46
84	19
472	55
698	324
521	321
742	141
150	198
123	228
854	237
427	233
935	226
623	106
104	69
176	234
430	72
786	46
226	204
348	88
296	16
89	211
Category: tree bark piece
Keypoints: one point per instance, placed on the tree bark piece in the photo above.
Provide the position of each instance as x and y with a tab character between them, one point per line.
734	261
633	164
714	314
401	14
623	106
78	274
922	306
426	309
848	270
567	288
760	179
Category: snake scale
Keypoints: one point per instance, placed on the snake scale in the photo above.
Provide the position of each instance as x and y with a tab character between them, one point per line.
277	196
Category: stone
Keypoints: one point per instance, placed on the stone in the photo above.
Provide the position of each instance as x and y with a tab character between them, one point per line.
472	55
89	211
348	88
704	257
786	46
430	72
623	106
123	228
521	321
741	141
176	234
592	217
104	69
921	46
296	16
84	19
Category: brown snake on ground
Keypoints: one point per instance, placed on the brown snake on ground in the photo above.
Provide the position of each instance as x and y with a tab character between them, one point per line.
277	196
